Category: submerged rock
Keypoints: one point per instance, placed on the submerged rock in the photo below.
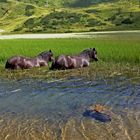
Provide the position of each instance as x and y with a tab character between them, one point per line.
98	112
97	108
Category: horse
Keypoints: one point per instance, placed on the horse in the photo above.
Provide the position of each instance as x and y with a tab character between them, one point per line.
78	61
21	62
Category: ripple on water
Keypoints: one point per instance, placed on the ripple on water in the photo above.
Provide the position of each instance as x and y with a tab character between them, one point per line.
61	103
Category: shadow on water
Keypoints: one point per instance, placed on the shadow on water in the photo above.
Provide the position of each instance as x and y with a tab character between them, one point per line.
97	116
40	109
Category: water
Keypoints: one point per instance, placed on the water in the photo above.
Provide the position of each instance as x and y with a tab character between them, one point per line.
53	109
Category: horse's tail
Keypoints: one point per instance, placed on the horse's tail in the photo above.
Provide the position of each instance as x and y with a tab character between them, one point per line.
53	66
7	65
59	63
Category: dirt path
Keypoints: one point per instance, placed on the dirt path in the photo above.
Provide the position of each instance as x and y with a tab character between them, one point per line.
62	35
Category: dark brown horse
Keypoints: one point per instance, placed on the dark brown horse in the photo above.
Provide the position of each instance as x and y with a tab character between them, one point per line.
21	62
79	61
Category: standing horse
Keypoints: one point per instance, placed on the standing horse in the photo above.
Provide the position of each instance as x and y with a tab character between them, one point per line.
79	61
21	62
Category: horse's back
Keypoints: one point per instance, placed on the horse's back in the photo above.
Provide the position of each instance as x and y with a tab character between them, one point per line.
11	62
79	62
60	62
69	62
18	62
21	62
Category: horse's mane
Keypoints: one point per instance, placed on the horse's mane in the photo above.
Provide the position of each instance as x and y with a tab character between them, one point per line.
85	52
45	53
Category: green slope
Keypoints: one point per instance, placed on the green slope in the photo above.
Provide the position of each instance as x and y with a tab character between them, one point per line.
65	3
64	16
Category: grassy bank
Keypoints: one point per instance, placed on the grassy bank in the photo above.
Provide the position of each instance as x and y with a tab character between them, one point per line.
117	54
109	50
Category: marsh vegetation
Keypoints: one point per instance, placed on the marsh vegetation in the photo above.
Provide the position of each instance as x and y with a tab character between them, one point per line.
116	49
43	104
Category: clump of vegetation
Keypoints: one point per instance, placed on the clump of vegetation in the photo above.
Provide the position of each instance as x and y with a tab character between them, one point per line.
83	3
56	21
64	18
92	11
93	22
29	10
4	8
38	2
123	18
94	71
3	1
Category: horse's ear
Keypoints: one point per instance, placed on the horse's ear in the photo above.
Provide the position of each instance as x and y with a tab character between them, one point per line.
50	50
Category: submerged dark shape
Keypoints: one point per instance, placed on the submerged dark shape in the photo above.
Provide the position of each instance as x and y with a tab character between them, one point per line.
98	112
102	117
21	62
78	61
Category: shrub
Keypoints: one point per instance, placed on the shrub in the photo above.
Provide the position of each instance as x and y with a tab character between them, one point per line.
59	18
92	11
17	29
92	22
29	10
29	23
127	21
3	0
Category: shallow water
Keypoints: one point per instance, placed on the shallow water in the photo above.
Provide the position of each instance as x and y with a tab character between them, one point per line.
53	109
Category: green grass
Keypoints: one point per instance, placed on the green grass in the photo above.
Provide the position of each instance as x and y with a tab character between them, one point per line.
118	55
109	49
116	51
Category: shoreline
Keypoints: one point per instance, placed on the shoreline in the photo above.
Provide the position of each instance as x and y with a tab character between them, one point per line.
63	35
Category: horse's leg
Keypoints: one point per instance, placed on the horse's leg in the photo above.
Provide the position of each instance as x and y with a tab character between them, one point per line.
55	65
17	67
41	64
52	66
85	63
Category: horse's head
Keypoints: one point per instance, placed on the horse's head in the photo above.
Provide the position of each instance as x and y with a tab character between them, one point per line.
47	55
94	54
91	53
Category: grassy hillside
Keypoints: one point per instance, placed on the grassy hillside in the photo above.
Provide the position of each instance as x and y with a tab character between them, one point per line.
64	16
65	3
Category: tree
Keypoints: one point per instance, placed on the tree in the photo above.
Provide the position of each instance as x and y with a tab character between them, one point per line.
3	0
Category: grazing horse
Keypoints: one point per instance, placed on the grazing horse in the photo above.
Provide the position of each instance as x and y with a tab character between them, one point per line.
79	61
21	62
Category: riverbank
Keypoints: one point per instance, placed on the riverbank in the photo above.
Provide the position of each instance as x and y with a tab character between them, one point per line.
118	52
99	70
65	35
